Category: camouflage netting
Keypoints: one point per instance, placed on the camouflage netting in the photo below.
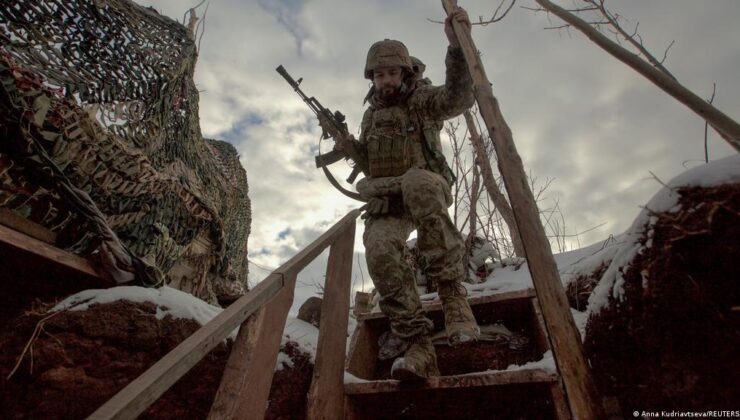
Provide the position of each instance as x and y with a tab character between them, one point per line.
100	95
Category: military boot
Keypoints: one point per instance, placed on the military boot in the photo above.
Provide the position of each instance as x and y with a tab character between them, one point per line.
460	323
418	363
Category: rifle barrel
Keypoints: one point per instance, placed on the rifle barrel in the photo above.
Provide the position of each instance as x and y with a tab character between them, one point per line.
280	69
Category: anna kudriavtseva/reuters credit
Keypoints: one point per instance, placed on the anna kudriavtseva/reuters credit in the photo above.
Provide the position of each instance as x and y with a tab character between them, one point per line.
688	414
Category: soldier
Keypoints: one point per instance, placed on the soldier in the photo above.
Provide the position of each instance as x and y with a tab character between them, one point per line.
409	188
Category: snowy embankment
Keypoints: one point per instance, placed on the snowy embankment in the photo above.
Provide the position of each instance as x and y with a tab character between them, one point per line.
177	304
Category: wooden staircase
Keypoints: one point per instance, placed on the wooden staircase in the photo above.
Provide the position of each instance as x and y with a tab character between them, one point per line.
470	385
475	381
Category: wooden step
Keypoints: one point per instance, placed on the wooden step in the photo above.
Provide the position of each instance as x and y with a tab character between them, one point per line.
478	379
488	391
526	393
516	310
436	305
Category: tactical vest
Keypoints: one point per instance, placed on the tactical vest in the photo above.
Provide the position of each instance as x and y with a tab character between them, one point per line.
399	138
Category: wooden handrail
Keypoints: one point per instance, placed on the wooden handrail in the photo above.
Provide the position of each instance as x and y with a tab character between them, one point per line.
273	294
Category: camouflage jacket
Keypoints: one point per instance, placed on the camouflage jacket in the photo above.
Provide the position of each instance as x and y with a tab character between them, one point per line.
406	134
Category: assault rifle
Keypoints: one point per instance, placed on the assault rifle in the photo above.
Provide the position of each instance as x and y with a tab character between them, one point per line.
332	125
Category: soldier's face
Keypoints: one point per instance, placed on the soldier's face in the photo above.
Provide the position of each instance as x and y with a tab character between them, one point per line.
387	80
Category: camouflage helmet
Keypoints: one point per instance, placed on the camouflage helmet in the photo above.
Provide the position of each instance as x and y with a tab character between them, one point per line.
387	52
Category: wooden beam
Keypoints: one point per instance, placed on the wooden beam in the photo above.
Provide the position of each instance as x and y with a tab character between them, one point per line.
525	376
540	333
12	220
326	394
560	408
245	386
20	245
568	351
144	390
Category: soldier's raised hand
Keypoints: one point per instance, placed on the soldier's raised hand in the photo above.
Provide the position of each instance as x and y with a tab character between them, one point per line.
458	15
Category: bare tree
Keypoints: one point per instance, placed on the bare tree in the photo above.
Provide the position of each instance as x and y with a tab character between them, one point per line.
494	192
644	62
473	210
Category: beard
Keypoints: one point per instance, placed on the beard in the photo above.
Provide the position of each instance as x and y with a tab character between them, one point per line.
389	93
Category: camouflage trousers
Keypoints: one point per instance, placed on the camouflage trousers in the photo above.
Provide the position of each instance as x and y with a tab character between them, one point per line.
426	196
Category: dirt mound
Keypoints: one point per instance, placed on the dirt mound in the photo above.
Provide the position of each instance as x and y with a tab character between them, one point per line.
672	342
82	358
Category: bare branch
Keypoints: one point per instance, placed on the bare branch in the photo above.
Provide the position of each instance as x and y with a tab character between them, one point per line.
634	39
650	68
494	18
706	126
665	53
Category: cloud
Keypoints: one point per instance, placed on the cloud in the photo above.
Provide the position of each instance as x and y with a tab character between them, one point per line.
287	13
577	114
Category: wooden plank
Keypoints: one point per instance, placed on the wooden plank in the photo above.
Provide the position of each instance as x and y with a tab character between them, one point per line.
144	390
583	396
363	352
559	402
557	394
436	305
22	245
12	220
326	394
499	378
247	397
540	332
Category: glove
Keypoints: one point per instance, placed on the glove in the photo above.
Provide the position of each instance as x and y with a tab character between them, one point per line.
376	187
376	206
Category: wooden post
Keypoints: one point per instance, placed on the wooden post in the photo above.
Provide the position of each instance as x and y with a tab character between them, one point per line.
245	385
326	395
234	378
566	343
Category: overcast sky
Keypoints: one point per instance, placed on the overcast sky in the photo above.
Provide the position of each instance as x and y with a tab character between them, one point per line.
578	116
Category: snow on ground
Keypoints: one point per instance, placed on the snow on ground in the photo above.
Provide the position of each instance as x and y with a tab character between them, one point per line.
514	274
169	301
547	363
303	333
